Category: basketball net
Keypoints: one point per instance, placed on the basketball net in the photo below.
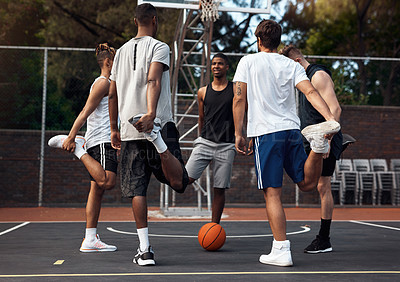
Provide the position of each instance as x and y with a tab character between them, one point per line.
209	10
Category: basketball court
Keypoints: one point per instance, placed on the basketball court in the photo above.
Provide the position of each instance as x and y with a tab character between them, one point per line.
44	245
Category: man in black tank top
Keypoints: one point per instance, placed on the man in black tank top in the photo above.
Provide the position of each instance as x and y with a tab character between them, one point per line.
320	78
216	128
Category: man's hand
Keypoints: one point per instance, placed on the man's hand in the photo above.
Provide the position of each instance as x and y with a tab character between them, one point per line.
326	155
240	144
145	123
115	140
69	144
250	147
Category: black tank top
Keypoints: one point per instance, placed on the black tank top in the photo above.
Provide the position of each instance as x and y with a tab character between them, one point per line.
309	115
218	117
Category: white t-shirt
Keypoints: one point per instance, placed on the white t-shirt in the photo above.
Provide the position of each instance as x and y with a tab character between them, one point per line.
130	69
98	123
271	80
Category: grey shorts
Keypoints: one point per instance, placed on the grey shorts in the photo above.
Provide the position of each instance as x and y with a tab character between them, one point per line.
222	156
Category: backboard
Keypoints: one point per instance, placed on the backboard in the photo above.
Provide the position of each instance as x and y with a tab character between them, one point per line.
245	6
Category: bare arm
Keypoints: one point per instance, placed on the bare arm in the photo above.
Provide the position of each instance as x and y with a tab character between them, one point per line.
315	99
99	90
113	112
239	108
325	86
200	101
154	77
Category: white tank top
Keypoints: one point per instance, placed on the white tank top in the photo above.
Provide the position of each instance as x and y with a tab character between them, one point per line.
98	123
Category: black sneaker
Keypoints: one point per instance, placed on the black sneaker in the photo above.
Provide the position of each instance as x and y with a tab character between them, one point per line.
319	245
144	258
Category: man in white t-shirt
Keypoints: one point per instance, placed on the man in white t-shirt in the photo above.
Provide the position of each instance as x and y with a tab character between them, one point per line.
148	137
266	81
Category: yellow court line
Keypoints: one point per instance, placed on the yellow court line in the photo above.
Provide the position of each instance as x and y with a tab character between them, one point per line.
59	262
202	273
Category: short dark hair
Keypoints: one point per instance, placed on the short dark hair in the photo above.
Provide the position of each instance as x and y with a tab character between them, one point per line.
222	56
270	33
145	13
290	51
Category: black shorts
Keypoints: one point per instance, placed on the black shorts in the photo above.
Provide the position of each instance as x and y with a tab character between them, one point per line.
105	155
336	148
328	165
139	159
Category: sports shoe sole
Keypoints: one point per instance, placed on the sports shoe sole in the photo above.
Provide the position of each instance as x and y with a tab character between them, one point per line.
287	263
135	119
319	251
277	263
97	250
55	140
147	262
327	127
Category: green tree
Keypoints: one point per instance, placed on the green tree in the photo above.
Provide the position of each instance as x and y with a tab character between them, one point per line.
20	72
364	28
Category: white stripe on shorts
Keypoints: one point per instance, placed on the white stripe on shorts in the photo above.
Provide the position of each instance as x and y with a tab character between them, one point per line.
258	167
103	155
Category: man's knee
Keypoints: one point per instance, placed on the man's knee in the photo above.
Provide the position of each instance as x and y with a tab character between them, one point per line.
179	185
307	187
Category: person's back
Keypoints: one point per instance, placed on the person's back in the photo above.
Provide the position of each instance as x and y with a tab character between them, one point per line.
132	63
271	80
98	122
266	83
148	137
307	113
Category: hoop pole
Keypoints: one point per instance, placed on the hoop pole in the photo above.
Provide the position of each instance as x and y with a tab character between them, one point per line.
43	131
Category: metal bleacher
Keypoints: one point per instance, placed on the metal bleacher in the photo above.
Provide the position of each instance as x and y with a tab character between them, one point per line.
366	182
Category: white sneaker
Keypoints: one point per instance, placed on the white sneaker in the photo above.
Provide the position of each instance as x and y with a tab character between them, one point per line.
280	254
58	140
315	135
96	246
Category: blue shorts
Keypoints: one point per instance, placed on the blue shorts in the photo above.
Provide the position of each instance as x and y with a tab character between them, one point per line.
277	151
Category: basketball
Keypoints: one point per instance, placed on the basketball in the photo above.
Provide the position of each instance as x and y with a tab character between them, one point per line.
211	236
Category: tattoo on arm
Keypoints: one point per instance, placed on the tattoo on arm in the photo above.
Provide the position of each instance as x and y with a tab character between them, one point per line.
238	89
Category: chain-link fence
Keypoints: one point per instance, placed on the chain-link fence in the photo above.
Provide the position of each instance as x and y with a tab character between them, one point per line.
43	89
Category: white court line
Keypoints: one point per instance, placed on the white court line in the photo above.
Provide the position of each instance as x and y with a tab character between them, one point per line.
375	225
305	229
15	227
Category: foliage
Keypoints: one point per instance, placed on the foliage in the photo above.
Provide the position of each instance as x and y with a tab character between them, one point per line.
352	28
20	21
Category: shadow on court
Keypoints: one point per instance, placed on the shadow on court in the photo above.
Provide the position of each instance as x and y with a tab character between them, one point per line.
50	252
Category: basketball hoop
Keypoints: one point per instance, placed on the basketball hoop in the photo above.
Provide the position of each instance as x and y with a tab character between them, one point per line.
209	10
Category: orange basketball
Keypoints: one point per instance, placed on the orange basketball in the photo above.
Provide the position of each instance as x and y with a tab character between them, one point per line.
211	236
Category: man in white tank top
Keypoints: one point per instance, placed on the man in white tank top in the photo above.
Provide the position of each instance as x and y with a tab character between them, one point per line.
95	150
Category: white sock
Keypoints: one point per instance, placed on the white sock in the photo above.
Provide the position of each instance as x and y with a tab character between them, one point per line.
143	234
79	152
90	234
159	143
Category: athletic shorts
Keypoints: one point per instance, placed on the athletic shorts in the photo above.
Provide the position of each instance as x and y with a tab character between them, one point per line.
139	159
222	156
328	166
106	155
277	151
